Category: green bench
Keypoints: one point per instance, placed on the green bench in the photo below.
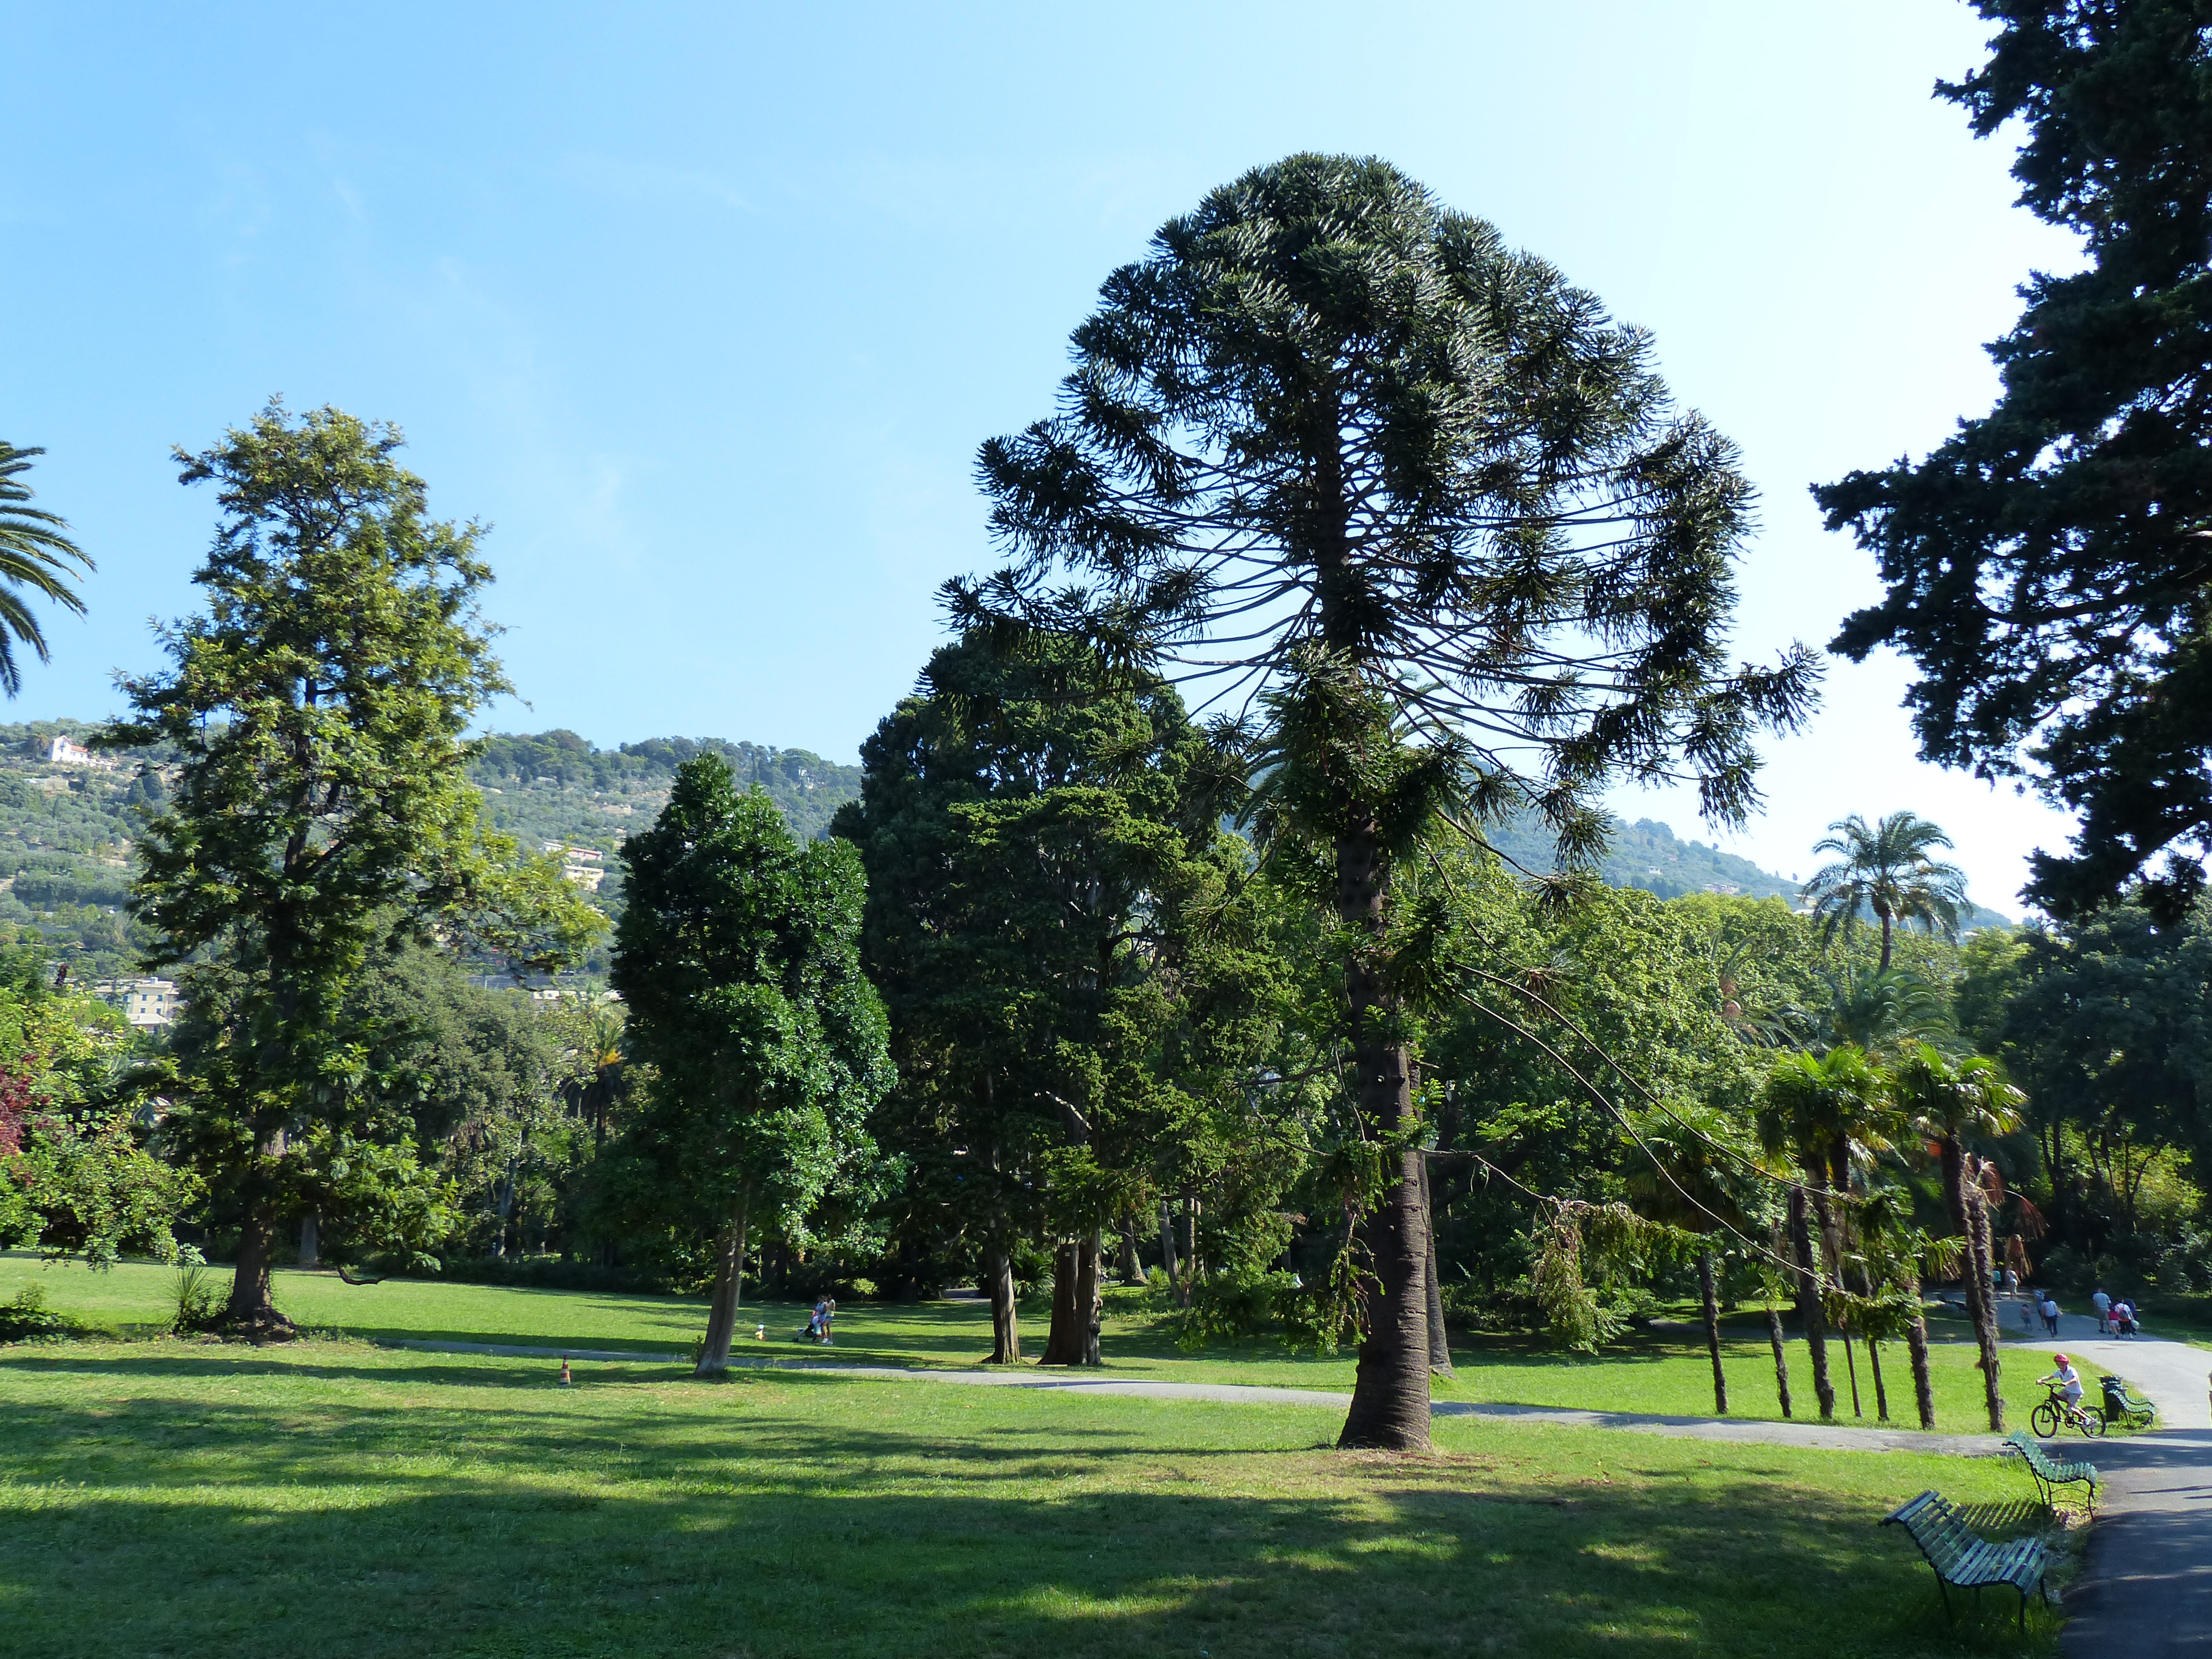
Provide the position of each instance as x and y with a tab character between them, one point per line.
2048	1473
1963	1558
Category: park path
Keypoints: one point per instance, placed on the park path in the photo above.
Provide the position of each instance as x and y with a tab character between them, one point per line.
1829	1436
2145	1590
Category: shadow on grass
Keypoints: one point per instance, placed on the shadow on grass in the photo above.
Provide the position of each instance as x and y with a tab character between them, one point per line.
468	1531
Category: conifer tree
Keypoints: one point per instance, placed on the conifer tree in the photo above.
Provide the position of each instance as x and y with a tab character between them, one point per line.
1336	447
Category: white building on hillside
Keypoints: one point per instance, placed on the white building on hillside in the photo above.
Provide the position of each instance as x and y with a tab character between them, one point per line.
67	751
143	1001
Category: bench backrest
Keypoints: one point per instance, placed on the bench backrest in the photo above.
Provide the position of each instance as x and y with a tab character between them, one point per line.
1943	1538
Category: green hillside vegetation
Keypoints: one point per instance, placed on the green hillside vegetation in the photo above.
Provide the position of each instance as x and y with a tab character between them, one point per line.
66	832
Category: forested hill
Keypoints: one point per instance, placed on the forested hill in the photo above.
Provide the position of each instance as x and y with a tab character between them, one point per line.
66	832
555	786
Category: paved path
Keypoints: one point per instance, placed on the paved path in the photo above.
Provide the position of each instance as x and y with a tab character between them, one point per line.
2146	1586
1831	1436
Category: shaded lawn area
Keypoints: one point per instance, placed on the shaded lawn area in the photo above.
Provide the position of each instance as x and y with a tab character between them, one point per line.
1668	1373
187	1498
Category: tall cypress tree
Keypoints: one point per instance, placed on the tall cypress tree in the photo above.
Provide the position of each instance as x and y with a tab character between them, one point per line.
2049	566
1337	444
316	710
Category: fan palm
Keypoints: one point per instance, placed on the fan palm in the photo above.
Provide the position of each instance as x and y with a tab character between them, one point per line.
1886	872
1885	1010
1830	1111
1692	1182
35	552
1947	1101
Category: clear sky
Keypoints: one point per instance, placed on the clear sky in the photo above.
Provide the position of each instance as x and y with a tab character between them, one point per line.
705	308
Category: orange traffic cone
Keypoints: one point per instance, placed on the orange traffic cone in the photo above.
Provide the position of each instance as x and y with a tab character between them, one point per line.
565	1371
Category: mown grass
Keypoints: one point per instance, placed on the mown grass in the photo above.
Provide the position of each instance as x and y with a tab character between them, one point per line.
1669	1374
186	1498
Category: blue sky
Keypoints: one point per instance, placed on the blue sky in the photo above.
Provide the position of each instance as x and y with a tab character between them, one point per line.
705	309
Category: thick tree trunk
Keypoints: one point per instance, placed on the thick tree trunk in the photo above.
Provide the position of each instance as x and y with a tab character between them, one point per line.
1391	1395
1090	1295
253	1312
1131	1270
729	1291
311	1242
1440	1361
1063	1342
1006	1316
1808	1303
1708	1292
1781	1359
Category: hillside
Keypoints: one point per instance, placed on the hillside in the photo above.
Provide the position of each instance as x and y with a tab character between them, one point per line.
66	830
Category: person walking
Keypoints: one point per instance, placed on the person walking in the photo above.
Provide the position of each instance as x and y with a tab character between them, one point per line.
2103	1305
829	1314
2050	1312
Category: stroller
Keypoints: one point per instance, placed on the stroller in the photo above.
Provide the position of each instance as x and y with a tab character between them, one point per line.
2126	1409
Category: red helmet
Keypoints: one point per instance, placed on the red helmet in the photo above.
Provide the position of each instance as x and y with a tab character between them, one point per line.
2058	1359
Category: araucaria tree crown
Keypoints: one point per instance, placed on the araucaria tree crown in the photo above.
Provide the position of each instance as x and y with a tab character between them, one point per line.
1336	449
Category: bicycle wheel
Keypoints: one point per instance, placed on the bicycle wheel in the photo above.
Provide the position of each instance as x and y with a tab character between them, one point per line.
2092	1425
2043	1419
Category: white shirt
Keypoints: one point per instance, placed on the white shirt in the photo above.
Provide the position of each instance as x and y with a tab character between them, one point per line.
2071	1379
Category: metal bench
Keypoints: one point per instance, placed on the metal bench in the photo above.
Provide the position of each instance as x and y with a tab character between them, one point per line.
1962	1557
2048	1473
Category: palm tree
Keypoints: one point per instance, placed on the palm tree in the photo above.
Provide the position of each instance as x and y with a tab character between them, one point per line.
1830	1111
35	552
1948	1100
1886	872
1895	1250
1691	1184
1885	1010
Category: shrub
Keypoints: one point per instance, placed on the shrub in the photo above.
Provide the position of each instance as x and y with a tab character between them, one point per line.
201	1303
27	1318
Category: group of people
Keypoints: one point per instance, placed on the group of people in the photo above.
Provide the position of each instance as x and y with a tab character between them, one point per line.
2116	1316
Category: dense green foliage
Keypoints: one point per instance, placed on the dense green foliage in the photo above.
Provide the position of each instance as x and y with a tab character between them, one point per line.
2045	565
35	553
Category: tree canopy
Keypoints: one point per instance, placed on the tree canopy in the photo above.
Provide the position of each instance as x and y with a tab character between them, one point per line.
2049	566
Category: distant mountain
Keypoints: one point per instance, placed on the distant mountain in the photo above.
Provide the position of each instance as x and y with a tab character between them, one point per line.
1646	854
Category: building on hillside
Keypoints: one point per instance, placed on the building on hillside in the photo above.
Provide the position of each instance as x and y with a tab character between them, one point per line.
584	865
144	1002
67	751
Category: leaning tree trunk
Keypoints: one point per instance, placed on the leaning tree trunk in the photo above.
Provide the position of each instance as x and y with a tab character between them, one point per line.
1981	1303
1006	1316
1808	1303
1131	1270
1440	1364
728	1293
1709	1295
1781	1359
1063	1343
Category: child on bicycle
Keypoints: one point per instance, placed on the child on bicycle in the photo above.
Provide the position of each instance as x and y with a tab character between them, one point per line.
2066	1380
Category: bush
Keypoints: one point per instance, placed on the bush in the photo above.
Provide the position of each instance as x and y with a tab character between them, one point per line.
27	1318
200	1299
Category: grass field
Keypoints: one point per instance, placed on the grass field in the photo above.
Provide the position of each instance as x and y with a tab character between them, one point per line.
180	1498
1645	1373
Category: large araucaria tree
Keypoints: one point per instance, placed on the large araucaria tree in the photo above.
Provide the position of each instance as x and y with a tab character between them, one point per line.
322	813
1337	452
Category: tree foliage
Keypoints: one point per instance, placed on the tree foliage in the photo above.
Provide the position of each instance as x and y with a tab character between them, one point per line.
2049	566
35	552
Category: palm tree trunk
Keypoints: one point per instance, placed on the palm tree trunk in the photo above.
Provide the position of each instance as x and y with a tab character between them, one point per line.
1781	1359
1981	1305
1916	1343
1809	1302
1706	1291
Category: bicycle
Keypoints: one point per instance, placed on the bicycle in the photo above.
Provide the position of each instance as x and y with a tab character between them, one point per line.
2057	1410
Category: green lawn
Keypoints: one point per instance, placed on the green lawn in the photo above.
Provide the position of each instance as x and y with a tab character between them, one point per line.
187	1498
1669	1374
